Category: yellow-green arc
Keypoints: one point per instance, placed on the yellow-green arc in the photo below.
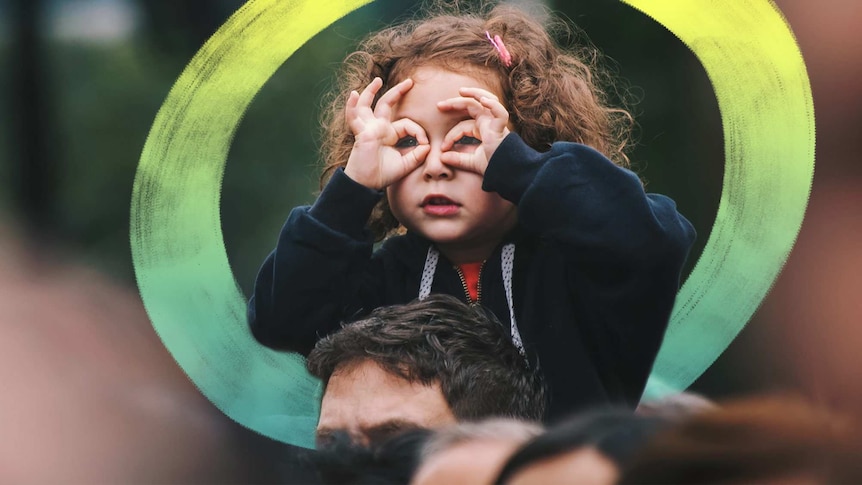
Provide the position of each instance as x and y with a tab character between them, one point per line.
195	305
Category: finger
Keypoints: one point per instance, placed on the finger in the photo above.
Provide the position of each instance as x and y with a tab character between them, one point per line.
497	109
472	106
459	131
477	93
488	100
387	102
367	96
350	113
407	127
352	99
460	160
415	157
499	114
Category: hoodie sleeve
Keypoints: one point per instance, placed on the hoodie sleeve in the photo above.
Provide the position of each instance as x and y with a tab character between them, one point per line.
624	248
321	271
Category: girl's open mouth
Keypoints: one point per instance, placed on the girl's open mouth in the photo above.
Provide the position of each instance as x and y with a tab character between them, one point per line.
439	205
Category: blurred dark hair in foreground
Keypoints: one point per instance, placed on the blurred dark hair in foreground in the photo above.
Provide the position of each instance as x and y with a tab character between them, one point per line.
342	461
600	441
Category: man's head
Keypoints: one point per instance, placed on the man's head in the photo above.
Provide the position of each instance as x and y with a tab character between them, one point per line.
424	364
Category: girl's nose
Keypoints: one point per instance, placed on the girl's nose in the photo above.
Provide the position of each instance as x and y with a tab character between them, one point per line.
433	168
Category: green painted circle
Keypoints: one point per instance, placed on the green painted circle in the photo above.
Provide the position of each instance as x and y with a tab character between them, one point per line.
195	305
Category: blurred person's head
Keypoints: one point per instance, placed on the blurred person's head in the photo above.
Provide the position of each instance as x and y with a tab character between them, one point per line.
393	460
89	393
679	405
472	452
589	449
425	364
762	440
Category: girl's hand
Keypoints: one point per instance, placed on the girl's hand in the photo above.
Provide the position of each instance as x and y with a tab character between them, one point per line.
384	151
486	129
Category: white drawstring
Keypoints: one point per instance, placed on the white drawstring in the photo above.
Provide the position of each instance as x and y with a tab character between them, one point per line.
507	263
428	273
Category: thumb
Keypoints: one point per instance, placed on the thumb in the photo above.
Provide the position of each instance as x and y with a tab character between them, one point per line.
470	162
416	157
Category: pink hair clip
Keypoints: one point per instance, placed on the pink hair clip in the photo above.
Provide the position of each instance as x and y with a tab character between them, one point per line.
498	44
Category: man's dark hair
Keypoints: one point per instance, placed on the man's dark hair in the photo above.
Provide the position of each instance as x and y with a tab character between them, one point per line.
440	339
616	433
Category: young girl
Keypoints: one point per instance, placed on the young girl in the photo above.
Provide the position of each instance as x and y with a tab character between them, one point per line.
486	160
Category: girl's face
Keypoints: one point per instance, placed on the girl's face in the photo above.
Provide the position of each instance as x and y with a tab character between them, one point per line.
444	204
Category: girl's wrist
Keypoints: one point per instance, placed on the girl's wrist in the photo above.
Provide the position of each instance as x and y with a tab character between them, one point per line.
495	145
344	205
358	178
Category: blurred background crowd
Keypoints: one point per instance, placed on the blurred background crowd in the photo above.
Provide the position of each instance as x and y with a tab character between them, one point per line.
87	388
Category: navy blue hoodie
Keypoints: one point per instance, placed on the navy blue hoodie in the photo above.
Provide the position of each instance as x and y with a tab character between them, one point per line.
597	268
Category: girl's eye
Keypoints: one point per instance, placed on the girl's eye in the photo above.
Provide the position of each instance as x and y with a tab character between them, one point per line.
468	140
407	142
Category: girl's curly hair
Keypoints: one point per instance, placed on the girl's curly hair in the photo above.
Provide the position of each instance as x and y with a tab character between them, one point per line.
552	93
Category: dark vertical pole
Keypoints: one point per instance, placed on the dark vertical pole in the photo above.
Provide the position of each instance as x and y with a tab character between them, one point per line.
33	177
